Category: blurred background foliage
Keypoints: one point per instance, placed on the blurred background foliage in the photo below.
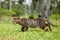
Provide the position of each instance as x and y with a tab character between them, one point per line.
29	8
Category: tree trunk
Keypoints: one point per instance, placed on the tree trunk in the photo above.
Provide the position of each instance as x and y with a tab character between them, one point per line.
32	7
40	9
0	3
10	8
9	4
0	12
56	11
47	8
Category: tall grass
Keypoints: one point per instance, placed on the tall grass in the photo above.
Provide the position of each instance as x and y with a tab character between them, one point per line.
9	31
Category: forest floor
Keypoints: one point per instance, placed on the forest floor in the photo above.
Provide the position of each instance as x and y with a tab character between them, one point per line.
9	31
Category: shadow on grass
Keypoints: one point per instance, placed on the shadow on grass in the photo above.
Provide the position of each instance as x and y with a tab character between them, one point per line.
28	30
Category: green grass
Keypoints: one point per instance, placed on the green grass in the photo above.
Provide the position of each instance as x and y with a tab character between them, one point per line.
8	31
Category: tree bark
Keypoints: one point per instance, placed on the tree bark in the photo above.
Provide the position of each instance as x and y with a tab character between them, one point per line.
0	12
10	8
40	7
0	4
32	9
47	8
56	11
